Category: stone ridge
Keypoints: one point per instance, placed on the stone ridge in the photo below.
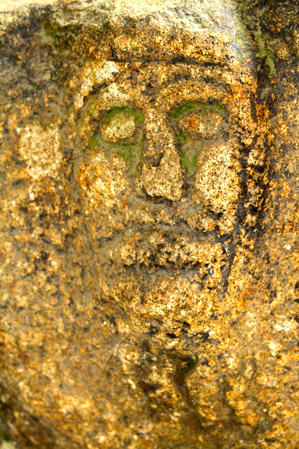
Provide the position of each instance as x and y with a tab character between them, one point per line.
191	15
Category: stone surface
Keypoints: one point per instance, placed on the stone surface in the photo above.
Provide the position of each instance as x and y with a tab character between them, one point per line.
7	444
149	209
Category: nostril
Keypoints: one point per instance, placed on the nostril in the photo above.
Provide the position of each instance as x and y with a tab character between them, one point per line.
159	199
155	160
185	185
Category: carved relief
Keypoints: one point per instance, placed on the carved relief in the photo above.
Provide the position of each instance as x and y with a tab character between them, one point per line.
162	178
128	247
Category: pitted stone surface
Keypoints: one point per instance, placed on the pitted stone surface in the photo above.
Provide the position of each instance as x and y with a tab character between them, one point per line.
149	208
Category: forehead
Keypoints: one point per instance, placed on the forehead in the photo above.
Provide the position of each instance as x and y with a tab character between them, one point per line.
165	83
165	72
160	86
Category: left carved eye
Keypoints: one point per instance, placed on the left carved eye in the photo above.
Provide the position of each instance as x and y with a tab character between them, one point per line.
118	126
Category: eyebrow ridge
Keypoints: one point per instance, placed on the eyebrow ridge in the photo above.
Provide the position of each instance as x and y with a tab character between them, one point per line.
175	60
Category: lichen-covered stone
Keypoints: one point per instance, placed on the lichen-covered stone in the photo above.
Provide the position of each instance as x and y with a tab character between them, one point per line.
149	208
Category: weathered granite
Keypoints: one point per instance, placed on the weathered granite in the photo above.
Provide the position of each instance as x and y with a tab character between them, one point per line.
149	211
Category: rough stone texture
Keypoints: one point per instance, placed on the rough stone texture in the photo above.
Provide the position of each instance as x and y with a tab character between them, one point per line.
149	211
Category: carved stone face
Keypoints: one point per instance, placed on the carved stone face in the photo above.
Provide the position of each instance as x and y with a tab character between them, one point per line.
167	166
160	182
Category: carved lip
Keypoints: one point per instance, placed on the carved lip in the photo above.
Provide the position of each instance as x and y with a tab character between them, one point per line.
161	246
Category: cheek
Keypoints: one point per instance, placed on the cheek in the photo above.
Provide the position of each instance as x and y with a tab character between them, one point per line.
217	184
103	183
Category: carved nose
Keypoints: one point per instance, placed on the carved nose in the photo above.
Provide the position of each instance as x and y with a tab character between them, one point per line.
161	174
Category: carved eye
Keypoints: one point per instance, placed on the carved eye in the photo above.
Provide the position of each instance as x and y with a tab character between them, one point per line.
119	127
120	132
200	121
202	126
198	125
120	124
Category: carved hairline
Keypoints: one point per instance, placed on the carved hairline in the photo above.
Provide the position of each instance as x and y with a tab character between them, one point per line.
187	14
203	31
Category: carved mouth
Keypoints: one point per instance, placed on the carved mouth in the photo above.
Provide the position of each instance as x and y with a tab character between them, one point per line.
141	261
161	247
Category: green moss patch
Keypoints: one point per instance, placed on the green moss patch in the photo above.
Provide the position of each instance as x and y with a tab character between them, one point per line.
188	153
179	112
93	142
131	154
189	363
139	117
188	162
200	107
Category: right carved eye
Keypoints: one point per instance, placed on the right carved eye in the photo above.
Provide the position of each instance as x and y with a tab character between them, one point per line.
120	124
198	125
201	121
202	126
